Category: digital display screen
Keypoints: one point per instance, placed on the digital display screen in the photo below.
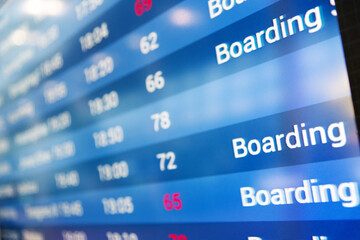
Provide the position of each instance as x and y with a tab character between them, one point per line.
176	119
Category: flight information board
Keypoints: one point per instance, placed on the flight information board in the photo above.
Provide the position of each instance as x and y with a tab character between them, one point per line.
176	119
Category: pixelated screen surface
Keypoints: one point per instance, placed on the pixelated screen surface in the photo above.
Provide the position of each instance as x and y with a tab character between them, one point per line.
176	119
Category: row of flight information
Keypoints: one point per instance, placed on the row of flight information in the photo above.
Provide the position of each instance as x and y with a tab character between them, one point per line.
176	119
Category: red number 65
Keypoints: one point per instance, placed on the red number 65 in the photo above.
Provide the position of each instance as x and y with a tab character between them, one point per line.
172	201
141	6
